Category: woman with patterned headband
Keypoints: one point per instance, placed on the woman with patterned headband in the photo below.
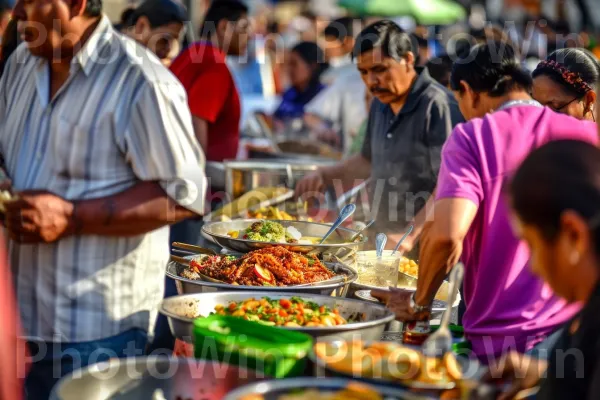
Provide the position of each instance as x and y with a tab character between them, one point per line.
567	82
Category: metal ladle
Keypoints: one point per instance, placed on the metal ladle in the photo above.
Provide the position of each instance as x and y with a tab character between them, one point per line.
346	212
408	232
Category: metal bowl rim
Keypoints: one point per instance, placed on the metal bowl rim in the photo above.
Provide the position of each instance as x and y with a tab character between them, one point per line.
388	317
333	245
104	366
312	382
353	277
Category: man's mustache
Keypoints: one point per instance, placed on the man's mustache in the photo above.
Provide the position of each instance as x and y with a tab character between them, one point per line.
378	90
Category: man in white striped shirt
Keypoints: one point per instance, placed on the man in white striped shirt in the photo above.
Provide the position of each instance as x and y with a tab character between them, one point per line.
98	141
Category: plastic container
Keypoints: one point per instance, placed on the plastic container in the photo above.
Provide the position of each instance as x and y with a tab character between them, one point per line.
276	352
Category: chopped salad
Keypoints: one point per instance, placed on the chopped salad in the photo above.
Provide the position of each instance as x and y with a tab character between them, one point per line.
294	312
269	231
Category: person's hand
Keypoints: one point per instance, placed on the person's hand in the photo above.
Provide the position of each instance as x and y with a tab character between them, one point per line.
310	185
398	301
38	217
524	372
329	136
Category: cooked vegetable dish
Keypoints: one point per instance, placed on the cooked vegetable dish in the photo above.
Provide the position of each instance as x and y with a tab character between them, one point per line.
274	266
294	312
354	391
389	361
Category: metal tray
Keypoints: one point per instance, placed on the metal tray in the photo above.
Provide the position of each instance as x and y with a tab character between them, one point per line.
141	377
189	286
272	390
181	311
217	231
470	366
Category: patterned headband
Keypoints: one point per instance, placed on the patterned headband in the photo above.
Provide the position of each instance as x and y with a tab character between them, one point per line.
571	78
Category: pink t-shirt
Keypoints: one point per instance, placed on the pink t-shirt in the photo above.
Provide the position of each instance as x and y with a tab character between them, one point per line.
507	306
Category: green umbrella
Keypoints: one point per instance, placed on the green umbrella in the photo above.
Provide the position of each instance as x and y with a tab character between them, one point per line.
426	12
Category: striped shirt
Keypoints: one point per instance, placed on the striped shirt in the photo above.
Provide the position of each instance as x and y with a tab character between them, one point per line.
120	118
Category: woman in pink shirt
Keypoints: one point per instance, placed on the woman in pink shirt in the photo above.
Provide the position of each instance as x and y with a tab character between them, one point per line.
507	307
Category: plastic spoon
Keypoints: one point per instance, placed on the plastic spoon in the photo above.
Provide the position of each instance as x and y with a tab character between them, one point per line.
380	242
408	232
440	342
346	212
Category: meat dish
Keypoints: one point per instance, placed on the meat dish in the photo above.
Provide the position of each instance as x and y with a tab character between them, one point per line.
274	266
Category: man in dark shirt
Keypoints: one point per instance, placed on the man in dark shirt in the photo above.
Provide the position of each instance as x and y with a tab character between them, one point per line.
409	121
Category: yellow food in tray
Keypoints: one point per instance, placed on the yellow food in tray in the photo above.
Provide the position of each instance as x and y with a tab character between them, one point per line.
354	391
409	267
389	361
252	199
273	213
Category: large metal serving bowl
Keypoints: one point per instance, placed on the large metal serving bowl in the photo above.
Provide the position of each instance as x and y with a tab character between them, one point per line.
140	377
218	232
181	311
272	390
189	286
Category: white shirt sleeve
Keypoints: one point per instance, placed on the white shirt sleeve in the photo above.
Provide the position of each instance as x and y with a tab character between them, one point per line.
161	145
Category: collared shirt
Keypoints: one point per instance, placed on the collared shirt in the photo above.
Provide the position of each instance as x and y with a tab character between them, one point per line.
342	104
405	151
120	118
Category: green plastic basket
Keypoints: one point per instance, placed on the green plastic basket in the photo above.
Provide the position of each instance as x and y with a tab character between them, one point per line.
276	352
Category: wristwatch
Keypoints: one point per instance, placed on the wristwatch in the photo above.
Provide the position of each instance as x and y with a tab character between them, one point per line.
417	309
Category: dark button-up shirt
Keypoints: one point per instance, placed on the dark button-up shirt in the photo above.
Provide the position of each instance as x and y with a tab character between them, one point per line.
405	151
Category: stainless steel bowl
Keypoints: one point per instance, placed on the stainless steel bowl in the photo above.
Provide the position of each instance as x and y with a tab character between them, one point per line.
243	176
272	390
141	378
181	311
189	286
218	231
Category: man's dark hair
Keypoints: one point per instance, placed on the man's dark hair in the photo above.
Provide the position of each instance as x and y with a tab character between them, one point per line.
393	41
93	8
159	13
231	10
440	69
340	29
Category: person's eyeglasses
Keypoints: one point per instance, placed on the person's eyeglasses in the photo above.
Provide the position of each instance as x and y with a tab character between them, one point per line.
560	108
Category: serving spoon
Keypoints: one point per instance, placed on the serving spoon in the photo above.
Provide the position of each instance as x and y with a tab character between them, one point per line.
440	342
408	232
346	212
380	242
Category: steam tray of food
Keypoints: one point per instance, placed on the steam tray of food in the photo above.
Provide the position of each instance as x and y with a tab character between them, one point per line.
316	315
392	363
301	236
318	389
274	269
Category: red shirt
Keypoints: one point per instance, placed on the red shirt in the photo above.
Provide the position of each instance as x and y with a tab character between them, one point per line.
212	96
13	365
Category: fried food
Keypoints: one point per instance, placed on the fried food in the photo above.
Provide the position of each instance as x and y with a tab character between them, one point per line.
274	266
354	391
250	199
409	267
389	361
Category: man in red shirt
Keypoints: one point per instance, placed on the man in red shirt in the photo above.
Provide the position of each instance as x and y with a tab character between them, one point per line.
215	106
212	96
